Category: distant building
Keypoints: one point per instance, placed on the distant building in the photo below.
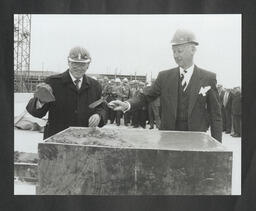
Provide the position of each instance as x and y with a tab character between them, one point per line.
142	78
27	81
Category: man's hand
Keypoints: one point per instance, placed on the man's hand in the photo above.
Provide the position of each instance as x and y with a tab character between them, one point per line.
94	120
44	93
118	105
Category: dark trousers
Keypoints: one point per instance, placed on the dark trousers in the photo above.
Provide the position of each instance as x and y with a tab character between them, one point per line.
119	115
139	118
223	118
108	110
237	124
154	114
143	117
112	115
135	118
228	122
127	117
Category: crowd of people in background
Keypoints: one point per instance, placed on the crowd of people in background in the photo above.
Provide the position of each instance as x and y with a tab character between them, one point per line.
117	89
230	100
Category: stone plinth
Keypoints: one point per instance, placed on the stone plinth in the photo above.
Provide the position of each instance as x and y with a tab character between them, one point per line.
26	172
133	162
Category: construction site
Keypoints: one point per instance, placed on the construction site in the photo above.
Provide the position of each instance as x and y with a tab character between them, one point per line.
25	79
115	159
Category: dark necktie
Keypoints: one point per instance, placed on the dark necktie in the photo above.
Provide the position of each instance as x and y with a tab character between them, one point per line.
183	82
77	83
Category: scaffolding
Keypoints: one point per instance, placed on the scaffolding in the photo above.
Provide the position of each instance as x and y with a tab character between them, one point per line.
22	41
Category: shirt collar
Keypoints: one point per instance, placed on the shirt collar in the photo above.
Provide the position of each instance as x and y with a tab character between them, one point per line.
190	70
73	78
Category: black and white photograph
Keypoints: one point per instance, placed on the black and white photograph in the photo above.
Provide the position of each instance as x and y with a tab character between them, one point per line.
127	104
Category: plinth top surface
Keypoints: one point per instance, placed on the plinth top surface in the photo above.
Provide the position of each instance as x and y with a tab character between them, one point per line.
137	139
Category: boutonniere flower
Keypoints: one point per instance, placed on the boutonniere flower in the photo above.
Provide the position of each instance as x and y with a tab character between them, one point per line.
204	90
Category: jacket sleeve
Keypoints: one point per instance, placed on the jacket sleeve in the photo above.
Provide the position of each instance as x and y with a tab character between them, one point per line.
148	95
34	111
214	110
32	105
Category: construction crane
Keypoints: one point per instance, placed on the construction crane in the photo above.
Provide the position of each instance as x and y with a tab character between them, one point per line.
22	41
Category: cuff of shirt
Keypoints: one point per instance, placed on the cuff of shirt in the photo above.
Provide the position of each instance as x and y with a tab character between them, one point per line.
129	107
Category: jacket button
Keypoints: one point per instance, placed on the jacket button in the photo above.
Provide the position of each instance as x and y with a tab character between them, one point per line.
75	111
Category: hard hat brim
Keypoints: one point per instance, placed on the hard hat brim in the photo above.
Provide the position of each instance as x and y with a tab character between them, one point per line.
187	42
79	61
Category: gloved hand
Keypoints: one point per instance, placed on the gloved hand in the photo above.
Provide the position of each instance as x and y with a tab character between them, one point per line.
44	93
94	120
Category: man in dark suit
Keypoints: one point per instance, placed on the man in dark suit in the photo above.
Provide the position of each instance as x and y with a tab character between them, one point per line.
188	94
72	91
221	92
154	111
236	112
227	103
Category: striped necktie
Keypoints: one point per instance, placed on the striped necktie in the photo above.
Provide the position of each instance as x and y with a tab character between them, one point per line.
77	83
183	82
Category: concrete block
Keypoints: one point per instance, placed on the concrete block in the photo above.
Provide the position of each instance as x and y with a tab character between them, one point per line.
84	161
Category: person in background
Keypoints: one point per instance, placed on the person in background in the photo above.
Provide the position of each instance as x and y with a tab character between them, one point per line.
111	96
227	103
154	113
71	92
126	90
236	112
118	92
134	86
143	111
221	91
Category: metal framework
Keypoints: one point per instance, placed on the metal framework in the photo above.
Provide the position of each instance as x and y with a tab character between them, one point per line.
22	41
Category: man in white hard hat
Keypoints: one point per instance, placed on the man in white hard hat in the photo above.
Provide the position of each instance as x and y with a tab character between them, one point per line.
125	80
188	94
66	97
126	90
117	91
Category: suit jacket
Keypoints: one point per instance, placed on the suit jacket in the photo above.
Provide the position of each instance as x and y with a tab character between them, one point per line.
229	102
203	111
71	105
221	97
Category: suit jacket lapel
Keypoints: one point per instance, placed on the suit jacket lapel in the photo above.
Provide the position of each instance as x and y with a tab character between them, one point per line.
66	79
195	83
85	84
173	82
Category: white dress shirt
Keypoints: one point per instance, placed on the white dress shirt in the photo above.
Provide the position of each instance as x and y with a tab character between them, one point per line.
73	79
188	75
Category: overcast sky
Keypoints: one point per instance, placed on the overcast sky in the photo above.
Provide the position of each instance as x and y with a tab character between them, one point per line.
126	44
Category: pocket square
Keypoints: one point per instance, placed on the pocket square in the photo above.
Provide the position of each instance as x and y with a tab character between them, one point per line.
204	90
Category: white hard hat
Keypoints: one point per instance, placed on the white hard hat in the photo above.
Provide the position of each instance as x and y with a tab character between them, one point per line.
118	80
79	54
182	36
125	80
